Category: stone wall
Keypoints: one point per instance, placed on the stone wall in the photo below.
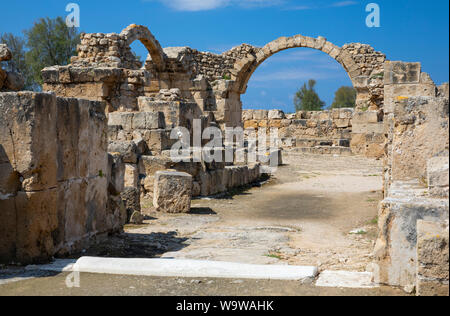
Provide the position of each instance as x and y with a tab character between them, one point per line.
416	175
105	69
337	131
54	185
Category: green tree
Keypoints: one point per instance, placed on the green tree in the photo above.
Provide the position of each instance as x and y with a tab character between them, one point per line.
50	42
307	99
18	63
345	97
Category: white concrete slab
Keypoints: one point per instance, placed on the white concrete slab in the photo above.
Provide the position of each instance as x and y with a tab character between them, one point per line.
193	269
346	279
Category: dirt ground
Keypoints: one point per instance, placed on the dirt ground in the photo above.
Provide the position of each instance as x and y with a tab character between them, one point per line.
316	210
304	215
116	285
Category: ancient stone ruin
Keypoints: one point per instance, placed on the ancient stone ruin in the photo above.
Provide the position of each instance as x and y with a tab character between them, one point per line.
76	160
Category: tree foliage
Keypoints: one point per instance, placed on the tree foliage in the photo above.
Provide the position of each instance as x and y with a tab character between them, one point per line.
307	99
18	63
345	97
50	42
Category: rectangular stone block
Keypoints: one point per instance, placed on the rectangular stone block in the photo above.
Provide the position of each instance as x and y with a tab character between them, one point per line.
432	259
396	248
173	192
397	72
365	117
131	178
37	222
370	128
438	172
157	140
28	137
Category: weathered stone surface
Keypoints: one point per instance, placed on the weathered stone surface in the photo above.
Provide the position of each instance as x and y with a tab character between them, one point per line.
131	199
438	176
131	177
276	114
173	192
127	149
396	249
22	117
432	259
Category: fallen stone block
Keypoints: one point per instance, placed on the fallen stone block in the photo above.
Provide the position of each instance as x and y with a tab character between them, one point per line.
173	192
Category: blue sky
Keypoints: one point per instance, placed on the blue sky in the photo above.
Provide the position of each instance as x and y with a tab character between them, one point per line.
411	30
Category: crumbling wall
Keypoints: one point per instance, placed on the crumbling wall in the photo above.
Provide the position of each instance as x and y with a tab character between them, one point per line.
336	131
416	173
105	69
54	186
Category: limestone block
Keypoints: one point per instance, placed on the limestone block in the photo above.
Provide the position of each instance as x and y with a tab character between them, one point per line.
260	115
157	140
396	248
375	151
247	115
396	72
131	178
377	128
37	218
432	259
28	137
123	119
127	149
438	173
276	115
173	192
148	120
342	123
251	124
365	117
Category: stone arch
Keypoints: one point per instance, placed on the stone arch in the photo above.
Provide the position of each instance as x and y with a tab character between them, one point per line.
139	32
245	67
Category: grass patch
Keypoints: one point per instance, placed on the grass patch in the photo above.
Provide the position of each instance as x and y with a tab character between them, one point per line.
373	221
274	255
370	200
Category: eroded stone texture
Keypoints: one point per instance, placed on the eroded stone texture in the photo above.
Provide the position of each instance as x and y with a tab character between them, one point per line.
54	165
432	259
173	192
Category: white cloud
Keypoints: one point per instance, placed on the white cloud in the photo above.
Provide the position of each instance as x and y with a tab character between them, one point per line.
204	5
